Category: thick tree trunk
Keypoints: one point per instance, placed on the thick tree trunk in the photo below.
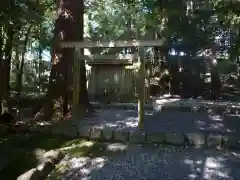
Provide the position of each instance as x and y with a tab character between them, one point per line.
79	36
68	27
6	69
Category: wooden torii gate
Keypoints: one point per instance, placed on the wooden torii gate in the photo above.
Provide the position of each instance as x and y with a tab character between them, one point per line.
78	46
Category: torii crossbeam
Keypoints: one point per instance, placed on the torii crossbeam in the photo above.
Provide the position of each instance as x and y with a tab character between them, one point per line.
108	44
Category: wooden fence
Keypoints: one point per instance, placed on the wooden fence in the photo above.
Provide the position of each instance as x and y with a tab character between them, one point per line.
113	83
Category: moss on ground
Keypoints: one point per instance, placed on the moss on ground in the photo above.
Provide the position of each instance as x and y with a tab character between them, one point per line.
90	149
18	152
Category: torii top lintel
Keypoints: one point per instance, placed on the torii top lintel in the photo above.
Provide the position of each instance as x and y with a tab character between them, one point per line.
106	44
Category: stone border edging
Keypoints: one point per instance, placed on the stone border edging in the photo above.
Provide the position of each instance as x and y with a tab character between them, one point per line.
197	139
51	158
200	140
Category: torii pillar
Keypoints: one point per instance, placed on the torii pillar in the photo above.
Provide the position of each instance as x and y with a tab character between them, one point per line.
76	84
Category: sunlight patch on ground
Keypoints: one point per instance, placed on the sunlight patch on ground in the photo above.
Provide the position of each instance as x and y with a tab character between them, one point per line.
116	147
80	145
216	118
214	168
39	154
164	101
78	166
84	167
138	162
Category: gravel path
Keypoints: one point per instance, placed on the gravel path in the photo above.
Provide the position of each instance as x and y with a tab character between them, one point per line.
151	163
210	116
127	120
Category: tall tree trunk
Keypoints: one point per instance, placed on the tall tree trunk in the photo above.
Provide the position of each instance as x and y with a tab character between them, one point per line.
7	68
39	65
68	27
1	66
78	12
84	99
215	77
21	63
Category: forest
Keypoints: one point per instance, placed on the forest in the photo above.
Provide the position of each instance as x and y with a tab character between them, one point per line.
33	66
197	58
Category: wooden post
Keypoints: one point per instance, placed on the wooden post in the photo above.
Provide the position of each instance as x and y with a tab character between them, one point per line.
141	76
93	79
141	88
76	82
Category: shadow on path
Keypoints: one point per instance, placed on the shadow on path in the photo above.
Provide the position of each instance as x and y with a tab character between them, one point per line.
155	121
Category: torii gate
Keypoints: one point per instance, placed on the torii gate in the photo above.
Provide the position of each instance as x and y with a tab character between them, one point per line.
78	46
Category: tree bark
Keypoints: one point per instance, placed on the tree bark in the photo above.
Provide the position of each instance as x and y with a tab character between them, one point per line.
20	64
6	69
40	51
215	78
1	66
68	27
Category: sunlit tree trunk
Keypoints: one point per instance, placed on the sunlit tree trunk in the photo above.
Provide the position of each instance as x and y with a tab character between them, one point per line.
68	27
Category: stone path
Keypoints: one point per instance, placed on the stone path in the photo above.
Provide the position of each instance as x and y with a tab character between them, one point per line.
137	162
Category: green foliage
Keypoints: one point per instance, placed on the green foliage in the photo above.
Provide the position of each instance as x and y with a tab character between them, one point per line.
31	20
188	26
